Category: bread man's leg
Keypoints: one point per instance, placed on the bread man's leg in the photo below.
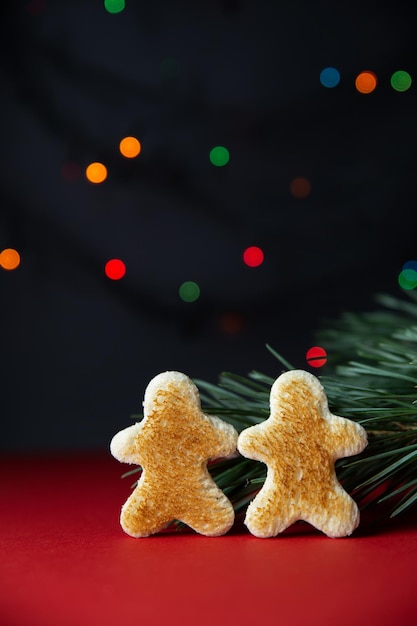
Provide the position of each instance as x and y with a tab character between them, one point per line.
141	516
340	518
212	514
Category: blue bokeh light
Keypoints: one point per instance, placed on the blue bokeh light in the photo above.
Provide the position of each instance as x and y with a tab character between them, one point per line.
329	77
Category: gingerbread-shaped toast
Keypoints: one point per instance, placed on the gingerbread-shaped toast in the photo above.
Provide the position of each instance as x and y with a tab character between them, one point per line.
172	444
299	443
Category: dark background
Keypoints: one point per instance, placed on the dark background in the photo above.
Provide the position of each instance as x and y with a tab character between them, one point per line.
77	349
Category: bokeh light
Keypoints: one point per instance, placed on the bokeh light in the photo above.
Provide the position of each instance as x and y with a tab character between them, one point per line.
231	323
189	291
114	6
36	7
316	356
70	171
115	269
300	187
219	156
410	265
9	259
407	279
96	172
401	80
130	147
366	82
329	77
253	256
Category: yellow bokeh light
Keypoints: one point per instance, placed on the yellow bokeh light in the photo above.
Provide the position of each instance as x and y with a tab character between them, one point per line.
9	259
96	172
365	82
130	147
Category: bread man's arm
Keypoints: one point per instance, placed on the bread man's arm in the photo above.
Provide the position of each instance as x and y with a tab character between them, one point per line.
124	445
225	437
251	442
349	438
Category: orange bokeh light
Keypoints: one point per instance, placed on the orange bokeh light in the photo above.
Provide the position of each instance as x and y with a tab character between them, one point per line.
96	172
9	259
366	82
130	147
300	187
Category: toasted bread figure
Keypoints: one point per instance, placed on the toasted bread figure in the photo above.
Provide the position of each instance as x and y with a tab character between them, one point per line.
299	443
172	444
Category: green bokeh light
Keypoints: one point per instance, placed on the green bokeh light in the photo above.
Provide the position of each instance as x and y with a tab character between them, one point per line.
401	81
189	291
219	156
114	6
407	279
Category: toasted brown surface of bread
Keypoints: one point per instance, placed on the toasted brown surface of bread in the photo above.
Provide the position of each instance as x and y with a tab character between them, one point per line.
299	443
173	443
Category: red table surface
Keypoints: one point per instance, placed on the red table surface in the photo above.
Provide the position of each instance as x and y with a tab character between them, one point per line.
65	561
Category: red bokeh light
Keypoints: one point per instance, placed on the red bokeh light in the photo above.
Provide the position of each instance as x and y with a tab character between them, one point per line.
253	256
115	269
231	323
316	356
300	187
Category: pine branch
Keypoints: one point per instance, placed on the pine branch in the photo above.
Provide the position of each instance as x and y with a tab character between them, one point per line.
371	378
